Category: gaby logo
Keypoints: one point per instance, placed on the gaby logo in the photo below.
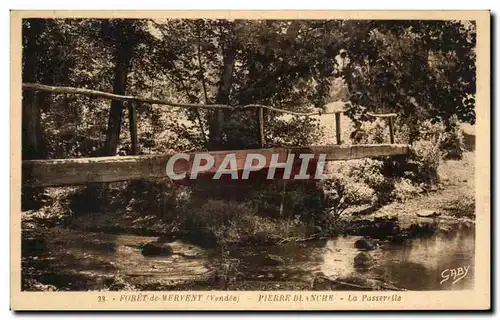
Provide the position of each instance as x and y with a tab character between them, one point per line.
242	166
455	274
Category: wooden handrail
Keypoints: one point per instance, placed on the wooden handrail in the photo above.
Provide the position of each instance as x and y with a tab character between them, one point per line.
113	96
260	108
382	115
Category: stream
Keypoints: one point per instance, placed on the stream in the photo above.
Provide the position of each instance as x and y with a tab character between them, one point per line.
63	259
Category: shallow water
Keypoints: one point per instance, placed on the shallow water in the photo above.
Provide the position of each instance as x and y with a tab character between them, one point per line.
417	264
74	260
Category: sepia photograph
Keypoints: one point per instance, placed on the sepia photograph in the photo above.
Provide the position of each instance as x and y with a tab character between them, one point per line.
295	158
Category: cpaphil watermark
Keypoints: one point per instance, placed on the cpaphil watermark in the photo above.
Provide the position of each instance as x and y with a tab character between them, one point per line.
301	166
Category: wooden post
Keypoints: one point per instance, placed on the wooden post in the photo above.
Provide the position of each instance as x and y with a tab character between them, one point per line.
262	140
337	127
132	119
391	129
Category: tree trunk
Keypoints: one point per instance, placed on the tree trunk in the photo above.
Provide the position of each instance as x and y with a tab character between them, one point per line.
123	56
32	146
31	127
217	117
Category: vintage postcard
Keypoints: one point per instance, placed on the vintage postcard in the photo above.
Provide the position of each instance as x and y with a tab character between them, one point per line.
250	160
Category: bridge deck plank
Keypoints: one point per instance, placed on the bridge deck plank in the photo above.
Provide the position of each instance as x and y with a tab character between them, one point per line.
65	172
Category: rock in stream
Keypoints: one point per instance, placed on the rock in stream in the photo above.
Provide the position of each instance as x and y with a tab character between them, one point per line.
366	244
157	249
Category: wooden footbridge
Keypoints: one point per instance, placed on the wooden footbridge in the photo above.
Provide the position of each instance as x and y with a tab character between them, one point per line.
64	172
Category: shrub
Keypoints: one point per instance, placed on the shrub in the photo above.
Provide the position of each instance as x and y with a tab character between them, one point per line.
223	222
447	136
452	143
217	222
370	173
91	198
400	177
421	164
404	189
430	131
424	160
32	198
160	196
302	199
55	209
296	131
370	132
341	193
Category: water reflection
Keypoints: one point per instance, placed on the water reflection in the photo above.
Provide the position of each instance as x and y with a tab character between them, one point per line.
415	265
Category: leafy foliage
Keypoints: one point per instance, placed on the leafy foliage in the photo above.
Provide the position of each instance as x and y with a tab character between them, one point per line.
420	69
423	70
342	193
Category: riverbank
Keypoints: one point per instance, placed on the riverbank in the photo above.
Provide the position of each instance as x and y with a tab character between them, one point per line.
72	257
449	202
443	208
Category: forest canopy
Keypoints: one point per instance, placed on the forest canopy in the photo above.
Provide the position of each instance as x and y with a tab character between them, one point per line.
421	70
